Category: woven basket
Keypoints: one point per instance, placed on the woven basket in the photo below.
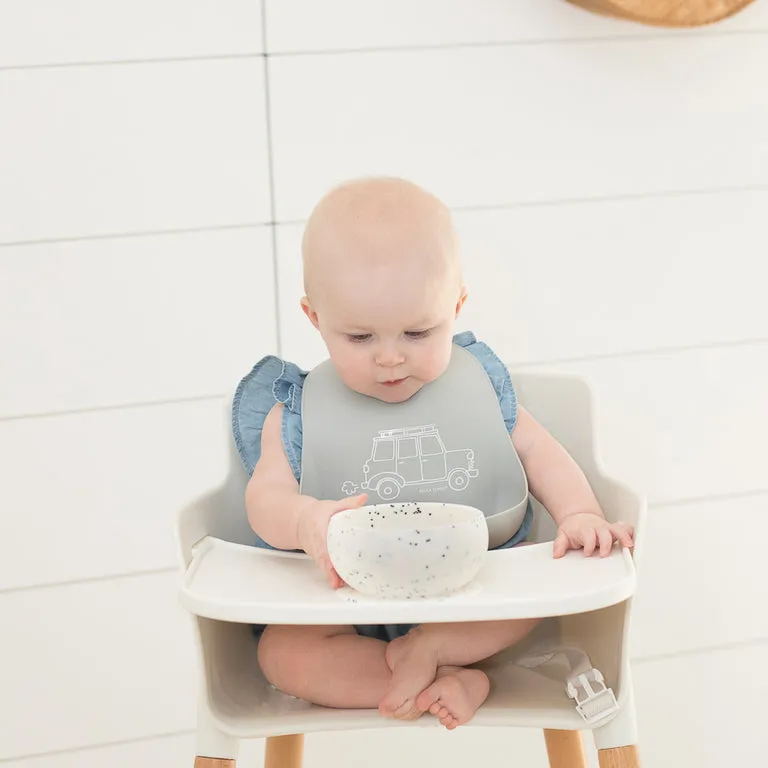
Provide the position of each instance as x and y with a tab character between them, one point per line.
666	13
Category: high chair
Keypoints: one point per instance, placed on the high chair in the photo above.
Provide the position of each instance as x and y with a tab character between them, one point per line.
228	585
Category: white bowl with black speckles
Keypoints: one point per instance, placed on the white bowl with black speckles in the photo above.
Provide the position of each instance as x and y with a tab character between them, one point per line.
408	550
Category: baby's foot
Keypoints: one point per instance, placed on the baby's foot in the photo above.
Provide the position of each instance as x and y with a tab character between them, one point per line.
455	696
414	666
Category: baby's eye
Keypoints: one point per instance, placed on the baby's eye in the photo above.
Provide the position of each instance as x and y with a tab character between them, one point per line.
358	338
418	334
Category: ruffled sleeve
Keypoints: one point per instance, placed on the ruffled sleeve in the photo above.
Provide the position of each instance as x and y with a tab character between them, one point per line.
497	373
271	381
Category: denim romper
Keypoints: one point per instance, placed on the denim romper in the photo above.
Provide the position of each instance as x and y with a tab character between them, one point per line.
273	381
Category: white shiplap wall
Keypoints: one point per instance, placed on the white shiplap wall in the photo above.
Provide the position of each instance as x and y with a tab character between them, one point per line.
611	189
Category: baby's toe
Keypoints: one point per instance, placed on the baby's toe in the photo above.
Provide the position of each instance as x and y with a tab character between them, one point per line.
449	721
404	710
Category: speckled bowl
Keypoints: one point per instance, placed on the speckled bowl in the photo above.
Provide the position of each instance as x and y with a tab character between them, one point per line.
408	550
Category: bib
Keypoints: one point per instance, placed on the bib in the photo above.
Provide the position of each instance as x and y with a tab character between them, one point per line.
447	443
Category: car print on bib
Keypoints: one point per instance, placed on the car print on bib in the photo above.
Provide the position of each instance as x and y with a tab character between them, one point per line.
413	456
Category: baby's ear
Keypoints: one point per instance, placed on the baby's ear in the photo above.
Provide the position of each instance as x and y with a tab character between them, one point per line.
462	299
309	312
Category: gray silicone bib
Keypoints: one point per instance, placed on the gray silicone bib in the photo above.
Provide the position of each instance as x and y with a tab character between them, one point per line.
447	443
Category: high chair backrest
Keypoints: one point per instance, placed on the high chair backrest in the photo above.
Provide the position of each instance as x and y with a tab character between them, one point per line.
220	512
563	404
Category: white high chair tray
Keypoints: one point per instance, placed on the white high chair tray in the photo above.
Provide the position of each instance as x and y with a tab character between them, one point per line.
240	583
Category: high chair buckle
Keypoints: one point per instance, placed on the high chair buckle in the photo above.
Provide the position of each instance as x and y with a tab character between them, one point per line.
595	702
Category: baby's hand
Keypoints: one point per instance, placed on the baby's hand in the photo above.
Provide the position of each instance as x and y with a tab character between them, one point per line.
313	532
592	532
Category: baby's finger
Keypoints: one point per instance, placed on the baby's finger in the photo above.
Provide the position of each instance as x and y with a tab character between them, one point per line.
624	534
330	572
336	581
350	503
561	544
589	540
605	538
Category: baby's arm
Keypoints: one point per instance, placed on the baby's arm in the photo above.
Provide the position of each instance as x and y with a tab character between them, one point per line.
281	515
558	483
272	498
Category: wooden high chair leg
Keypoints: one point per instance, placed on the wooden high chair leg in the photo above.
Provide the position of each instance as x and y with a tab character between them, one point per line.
213	762
621	757
284	751
565	749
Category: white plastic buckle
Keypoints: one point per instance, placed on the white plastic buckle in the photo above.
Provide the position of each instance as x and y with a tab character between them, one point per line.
595	702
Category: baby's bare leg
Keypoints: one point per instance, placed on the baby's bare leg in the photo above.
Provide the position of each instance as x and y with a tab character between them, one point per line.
415	658
328	665
461	644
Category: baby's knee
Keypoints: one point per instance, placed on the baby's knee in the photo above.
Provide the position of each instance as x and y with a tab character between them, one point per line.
275	651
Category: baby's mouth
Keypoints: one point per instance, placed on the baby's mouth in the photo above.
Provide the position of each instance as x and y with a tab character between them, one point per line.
393	382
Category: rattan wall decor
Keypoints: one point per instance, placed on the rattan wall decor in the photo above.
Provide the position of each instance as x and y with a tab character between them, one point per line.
666	13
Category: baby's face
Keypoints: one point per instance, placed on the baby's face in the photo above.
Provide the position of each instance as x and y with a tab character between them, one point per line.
388	333
383	285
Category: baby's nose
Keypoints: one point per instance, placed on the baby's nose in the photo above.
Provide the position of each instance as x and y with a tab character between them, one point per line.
389	356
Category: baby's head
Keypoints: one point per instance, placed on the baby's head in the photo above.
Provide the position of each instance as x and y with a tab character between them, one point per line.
383	285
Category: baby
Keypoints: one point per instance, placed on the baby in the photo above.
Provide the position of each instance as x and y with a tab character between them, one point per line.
383	287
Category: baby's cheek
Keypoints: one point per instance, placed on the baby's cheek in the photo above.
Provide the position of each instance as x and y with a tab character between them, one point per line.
356	373
348	370
343	363
437	363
